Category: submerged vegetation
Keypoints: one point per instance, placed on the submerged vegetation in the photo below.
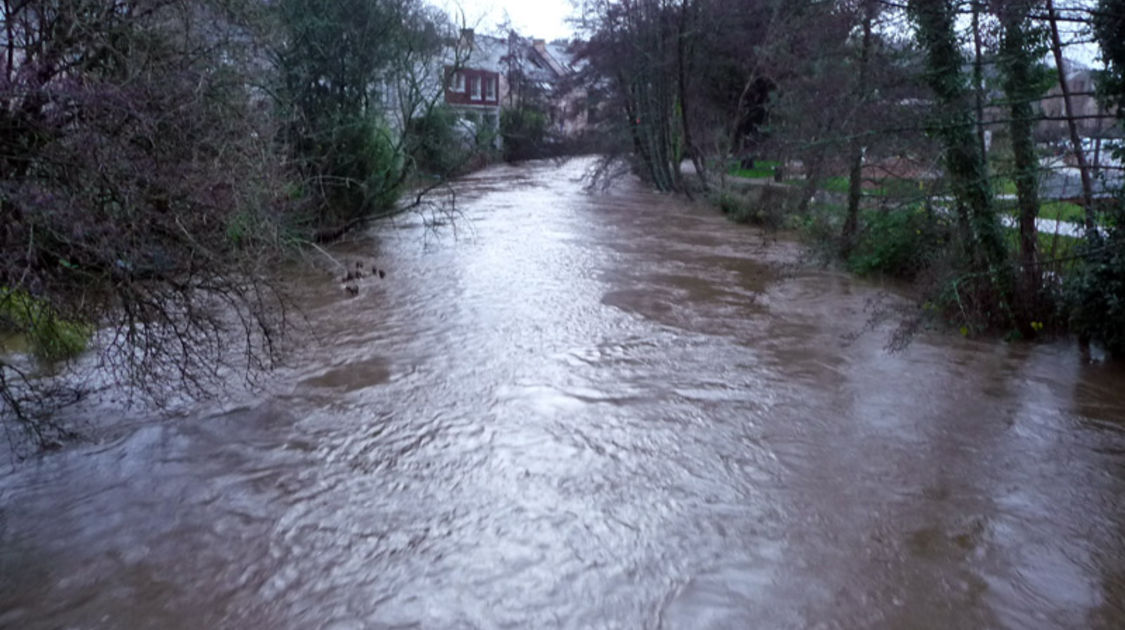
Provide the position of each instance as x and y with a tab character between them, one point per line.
47	335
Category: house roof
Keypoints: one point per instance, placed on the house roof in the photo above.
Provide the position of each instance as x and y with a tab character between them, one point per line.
560	50
541	61
488	52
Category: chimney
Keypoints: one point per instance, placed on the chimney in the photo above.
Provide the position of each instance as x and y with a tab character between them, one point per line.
539	44
467	37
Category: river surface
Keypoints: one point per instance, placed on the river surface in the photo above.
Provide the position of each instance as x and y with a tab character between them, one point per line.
617	410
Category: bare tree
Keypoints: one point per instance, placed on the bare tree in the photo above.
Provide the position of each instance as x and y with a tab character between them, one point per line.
855	174
1072	125
1017	61
138	194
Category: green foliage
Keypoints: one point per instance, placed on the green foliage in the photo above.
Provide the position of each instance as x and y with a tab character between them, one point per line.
899	242
1109	29
953	124
442	144
820	230
50	337
1004	186
1095	292
357	165
1063	211
737	208
382	165
331	69
524	131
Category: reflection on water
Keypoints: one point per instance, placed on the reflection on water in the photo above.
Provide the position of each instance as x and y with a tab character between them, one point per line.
604	411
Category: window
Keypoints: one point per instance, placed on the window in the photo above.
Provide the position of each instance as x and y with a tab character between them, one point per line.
490	88
476	88
458	82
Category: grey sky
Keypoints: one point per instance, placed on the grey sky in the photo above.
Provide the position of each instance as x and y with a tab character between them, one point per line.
547	19
544	19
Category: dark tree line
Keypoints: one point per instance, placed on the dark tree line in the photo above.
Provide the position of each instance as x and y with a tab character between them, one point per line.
159	157
909	135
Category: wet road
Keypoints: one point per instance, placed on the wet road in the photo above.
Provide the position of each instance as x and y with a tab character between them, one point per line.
607	411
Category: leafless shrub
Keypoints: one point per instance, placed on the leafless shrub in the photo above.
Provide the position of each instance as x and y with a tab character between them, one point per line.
138	191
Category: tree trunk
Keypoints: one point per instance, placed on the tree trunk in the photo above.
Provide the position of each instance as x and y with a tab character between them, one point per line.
1018	66
978	81
683	59
814	165
1096	169
1072	126
964	163
855	175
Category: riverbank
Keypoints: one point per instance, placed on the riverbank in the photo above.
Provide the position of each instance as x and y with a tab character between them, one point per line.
912	237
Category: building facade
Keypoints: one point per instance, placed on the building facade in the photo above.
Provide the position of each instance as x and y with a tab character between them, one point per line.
489	74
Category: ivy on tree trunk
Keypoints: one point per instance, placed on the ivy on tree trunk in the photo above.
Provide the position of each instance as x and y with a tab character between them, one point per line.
1017	61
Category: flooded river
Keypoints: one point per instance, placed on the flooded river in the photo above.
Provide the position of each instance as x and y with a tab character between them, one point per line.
594	411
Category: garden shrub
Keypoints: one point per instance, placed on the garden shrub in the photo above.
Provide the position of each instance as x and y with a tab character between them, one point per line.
898	242
1095	292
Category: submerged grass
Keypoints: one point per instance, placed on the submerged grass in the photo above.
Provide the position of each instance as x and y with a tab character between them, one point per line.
46	334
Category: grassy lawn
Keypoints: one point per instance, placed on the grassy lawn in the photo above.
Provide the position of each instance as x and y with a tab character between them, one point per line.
1054	210
1051	246
835	184
1003	186
762	169
912	189
1062	211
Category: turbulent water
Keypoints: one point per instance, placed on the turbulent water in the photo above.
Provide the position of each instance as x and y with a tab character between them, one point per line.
566	410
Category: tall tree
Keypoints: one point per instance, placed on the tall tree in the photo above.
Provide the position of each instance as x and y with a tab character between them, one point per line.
345	69
635	43
964	163
978	76
684	77
1019	51
855	174
331	61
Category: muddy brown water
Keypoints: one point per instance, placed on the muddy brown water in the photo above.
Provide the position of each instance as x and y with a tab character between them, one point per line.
607	411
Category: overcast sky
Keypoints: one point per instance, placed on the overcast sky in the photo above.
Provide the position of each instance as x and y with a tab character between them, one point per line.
542	19
547	19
